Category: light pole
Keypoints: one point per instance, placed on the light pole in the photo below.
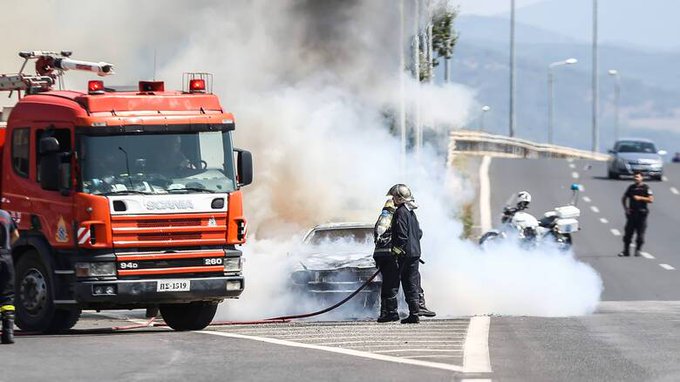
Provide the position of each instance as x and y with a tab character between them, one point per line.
512	68
551	107
617	95
596	131
485	109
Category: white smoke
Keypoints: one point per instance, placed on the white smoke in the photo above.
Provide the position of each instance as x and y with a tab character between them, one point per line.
314	86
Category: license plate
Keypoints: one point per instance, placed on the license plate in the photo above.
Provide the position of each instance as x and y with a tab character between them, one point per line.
173	286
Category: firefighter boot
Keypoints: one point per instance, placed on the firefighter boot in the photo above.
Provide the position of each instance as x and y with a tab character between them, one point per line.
388	310
413	307
422	309
7	324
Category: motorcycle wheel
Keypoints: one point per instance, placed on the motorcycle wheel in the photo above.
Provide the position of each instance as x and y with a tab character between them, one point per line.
488	237
563	241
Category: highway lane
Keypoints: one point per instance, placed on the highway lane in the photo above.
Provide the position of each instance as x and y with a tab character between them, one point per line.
634	333
601	212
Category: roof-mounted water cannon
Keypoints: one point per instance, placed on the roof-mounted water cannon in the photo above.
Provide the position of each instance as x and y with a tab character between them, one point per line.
49	67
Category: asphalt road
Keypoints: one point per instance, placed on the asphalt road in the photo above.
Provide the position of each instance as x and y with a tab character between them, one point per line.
634	334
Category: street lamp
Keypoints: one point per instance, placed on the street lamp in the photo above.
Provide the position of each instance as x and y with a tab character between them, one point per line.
485	108
617	95
551	107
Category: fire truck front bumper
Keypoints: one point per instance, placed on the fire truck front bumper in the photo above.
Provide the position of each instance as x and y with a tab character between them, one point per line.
158	291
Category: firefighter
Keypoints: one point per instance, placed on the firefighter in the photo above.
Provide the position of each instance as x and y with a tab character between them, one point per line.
635	200
406	234
387	263
8	235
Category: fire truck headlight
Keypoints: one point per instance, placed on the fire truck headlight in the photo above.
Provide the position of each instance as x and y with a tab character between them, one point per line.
101	269
232	264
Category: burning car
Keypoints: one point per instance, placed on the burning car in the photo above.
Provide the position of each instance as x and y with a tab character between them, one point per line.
334	260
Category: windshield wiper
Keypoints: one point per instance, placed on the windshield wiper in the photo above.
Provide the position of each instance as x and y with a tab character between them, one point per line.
197	189
125	192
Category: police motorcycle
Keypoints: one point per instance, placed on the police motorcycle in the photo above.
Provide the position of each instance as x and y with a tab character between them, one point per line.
555	226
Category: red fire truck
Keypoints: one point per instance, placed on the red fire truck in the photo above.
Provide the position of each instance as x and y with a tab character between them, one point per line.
124	198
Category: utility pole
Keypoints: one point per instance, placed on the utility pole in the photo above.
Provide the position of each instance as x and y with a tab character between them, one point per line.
596	132
402	91
617	100
416	35
512	68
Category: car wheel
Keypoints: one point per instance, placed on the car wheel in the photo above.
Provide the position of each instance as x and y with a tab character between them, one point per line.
612	175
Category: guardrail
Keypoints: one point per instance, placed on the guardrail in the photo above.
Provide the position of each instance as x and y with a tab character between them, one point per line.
485	144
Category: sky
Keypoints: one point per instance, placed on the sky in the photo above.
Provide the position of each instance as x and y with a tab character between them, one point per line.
489	7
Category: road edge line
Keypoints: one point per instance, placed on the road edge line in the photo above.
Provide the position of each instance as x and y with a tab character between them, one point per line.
355	353
476	349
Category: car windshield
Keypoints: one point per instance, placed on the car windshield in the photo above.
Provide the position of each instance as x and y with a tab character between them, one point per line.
347	236
157	163
635	147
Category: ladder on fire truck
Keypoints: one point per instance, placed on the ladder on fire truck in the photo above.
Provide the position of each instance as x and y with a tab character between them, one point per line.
49	68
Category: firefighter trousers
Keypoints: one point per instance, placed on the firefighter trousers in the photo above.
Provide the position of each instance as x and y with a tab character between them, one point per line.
6	279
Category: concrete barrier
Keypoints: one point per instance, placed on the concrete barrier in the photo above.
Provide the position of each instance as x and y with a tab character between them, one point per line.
485	144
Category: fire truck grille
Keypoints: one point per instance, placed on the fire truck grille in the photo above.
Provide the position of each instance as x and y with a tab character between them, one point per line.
135	231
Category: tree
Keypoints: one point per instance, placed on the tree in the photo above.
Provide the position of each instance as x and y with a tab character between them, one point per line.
444	38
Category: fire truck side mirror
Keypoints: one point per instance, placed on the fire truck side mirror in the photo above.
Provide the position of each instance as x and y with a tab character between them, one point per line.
244	167
54	169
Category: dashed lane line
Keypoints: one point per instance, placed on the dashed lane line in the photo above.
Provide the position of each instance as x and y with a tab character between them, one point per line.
664	178
571	165
604	221
674	190
646	255
586	199
615	232
574	175
667	267
355	353
595	209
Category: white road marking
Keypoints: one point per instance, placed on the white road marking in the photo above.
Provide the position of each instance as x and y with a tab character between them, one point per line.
595	209
571	165
476	354
604	221
664	178
475	380
586	199
426	350
646	255
666	267
574	175
355	353
674	190
615	232
485	194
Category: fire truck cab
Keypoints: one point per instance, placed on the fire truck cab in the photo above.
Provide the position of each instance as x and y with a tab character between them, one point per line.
124	199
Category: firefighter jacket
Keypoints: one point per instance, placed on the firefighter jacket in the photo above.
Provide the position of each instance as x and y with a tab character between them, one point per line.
406	233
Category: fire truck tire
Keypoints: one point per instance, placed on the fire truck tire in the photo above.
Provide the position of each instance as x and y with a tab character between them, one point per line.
35	308
191	316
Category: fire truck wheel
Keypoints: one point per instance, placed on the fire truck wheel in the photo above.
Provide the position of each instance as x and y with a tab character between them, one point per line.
191	316
34	299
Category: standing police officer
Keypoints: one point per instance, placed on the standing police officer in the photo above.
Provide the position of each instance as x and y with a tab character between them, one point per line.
8	235
635	200
406	234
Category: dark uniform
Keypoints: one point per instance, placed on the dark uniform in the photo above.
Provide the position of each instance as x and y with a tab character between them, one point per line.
387	263
7	231
406	234
636	217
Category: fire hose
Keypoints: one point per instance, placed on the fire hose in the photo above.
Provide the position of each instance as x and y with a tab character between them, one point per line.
280	319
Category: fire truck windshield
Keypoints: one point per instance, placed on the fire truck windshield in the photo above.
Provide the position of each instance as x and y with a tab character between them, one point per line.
157	163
